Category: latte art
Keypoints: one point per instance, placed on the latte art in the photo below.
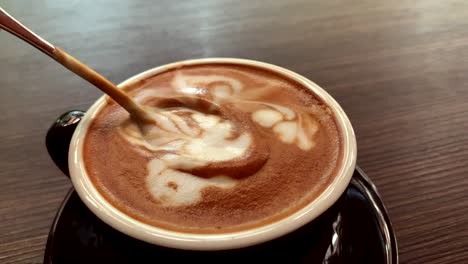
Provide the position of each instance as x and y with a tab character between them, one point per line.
211	142
187	139
231	147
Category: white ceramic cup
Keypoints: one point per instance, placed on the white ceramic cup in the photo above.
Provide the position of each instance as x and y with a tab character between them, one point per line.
132	227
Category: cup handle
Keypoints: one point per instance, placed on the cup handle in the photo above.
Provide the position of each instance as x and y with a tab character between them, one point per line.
59	136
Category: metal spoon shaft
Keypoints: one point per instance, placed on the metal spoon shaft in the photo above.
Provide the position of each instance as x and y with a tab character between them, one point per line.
11	25
8	23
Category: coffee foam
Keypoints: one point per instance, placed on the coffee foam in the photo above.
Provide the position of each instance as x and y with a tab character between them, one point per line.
219	135
210	139
174	188
183	149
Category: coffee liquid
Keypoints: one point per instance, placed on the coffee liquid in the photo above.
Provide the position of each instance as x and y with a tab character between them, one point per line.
232	147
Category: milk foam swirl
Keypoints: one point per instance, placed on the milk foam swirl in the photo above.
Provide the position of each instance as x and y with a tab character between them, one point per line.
197	143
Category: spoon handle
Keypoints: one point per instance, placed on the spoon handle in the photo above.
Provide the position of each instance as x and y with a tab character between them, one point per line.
11	25
8	23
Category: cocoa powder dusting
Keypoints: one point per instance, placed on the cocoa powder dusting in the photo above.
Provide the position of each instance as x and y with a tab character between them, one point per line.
287	178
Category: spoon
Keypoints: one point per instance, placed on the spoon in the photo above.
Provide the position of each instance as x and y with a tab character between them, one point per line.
137	112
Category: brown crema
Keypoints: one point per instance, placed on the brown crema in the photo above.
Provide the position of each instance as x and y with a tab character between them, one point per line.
293	155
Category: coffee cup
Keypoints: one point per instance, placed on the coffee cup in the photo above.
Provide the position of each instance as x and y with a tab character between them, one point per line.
138	229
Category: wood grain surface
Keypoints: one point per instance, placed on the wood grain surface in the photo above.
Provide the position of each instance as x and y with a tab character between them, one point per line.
398	68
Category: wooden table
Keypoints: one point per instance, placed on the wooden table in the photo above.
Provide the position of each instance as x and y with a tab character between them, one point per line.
398	68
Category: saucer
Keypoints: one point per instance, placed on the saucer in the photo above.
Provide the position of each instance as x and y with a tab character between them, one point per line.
356	229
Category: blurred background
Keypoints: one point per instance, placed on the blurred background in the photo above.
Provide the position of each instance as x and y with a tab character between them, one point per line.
398	68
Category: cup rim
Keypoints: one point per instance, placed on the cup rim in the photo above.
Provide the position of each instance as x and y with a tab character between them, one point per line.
191	241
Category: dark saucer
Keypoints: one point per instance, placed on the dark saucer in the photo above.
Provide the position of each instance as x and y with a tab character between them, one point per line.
354	230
